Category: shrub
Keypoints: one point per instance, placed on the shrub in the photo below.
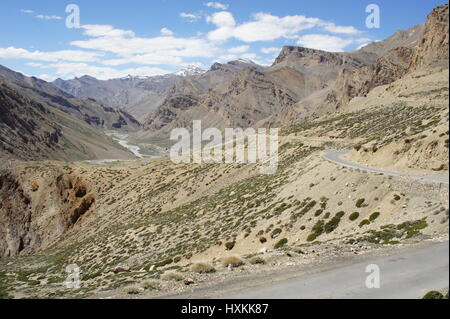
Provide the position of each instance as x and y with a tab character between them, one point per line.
312	237
354	216
397	197
230	245
172	276
150	285
234	261
281	243
433	295
318	212
257	260
334	222
203	268
132	290
276	233
374	216
360	202
262	240
364	223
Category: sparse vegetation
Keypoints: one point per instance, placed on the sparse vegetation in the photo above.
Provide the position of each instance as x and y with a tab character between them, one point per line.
257	260
354	216
234	261
281	243
172	276
203	268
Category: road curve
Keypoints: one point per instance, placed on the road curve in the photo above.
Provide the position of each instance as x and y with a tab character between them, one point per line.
336	157
406	275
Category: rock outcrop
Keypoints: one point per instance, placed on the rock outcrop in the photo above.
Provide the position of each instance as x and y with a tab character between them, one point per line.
433	47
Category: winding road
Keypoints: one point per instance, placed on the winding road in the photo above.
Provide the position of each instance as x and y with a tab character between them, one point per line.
336	157
406	275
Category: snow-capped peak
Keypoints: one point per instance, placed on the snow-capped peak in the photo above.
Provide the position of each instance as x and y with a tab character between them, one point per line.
190	70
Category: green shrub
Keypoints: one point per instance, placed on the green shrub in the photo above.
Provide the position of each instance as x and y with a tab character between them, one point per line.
230	245
276	232
354	216
318	212
433	295
397	197
334	222
312	237
364	223
374	216
280	243
360	202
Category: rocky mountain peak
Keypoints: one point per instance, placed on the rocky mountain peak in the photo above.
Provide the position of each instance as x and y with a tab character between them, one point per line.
433	47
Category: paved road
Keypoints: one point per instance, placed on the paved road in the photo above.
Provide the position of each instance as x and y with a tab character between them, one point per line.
336	157
407	275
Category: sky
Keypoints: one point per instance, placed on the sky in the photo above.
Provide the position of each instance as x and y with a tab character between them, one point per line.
112	39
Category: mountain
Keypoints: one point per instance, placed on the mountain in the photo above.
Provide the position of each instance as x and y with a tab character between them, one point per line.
32	129
433	48
137	95
87	110
301	84
190	70
417	47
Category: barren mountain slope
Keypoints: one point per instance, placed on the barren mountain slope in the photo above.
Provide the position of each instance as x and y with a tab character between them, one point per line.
135	95
302	84
33	130
147	221
84	109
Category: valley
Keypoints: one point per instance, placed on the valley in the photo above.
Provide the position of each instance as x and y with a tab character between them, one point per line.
362	177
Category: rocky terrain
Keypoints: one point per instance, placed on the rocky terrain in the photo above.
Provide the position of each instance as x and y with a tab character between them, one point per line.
155	228
138	96
39	121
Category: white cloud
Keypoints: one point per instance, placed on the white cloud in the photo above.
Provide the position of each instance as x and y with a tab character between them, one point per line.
239	49
166	32
99	30
331	27
270	50
267	27
70	70
190	17
217	5
26	11
223	19
52	56
327	42
46	17
126	45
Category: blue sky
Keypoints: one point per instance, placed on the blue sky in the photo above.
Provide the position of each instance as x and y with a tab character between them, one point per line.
145	38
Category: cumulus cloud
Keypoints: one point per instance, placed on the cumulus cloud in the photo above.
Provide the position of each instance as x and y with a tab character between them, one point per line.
126	44
217	5
190	17
52	56
327	42
166	32
273	27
